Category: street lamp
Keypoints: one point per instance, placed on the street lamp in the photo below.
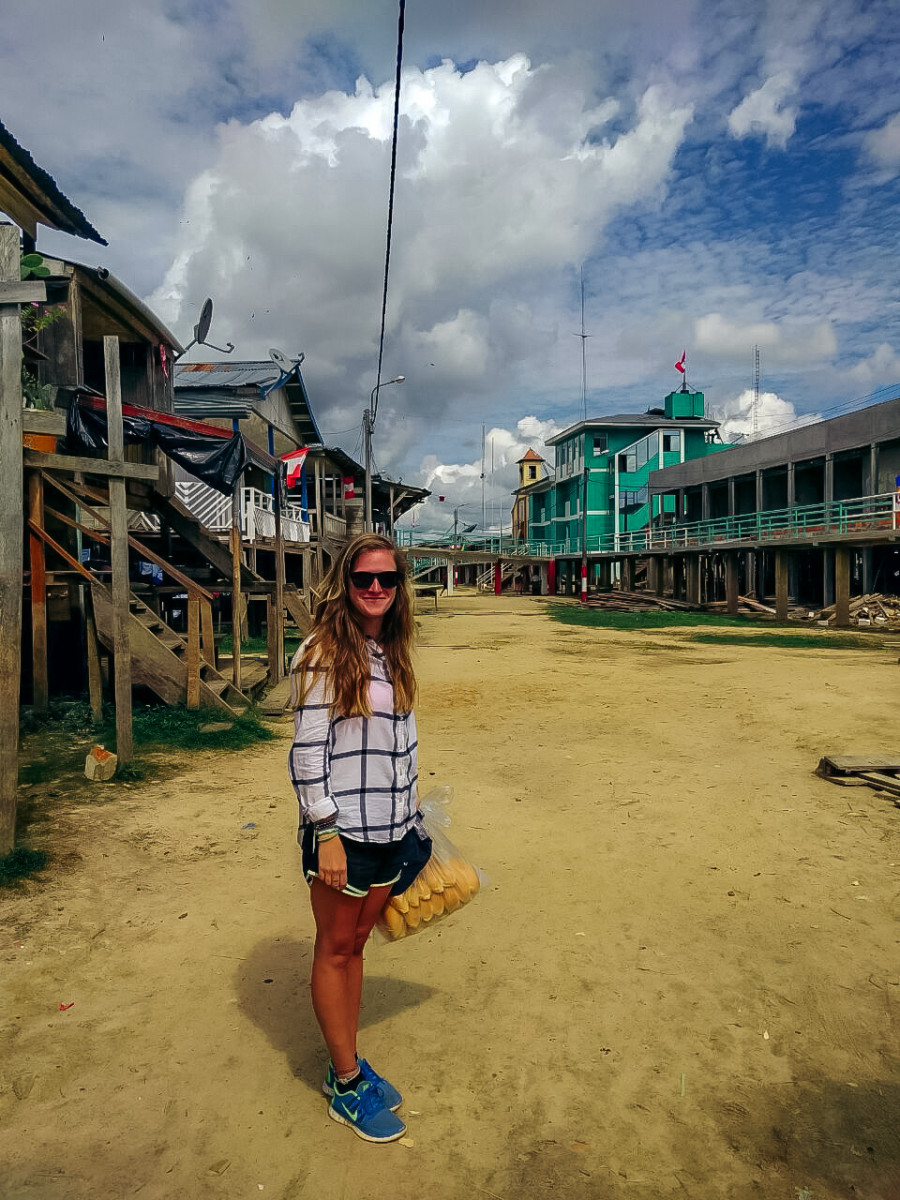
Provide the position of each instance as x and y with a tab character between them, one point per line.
368	424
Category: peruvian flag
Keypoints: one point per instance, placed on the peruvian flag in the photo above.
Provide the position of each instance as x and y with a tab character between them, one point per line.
349	488
679	366
294	461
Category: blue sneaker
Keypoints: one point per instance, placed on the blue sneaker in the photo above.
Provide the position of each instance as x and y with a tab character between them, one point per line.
364	1111
389	1094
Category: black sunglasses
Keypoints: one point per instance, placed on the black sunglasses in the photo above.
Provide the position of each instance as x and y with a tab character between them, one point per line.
362	580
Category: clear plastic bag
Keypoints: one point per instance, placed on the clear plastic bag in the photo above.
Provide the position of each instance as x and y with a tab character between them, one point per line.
447	882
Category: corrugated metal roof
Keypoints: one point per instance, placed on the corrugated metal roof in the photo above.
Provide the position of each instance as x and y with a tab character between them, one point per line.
218	382
225	374
31	197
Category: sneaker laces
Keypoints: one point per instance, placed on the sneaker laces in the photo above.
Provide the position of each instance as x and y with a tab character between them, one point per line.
370	1100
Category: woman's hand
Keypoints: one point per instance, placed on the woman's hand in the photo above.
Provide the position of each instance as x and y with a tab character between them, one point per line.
333	864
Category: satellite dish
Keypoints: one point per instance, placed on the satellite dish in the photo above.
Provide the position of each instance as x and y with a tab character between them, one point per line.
201	331
281	361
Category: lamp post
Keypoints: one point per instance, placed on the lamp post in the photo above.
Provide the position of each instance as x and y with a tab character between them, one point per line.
368	425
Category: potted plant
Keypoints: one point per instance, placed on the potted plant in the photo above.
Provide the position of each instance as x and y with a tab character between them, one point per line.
36	317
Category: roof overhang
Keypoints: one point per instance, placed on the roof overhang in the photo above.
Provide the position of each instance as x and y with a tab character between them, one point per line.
31	197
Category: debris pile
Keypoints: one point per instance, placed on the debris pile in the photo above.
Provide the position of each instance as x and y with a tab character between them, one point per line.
873	609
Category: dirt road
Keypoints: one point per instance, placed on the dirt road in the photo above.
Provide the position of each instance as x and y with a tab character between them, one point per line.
682	980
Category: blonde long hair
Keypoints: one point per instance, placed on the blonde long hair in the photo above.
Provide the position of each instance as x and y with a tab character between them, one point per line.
336	648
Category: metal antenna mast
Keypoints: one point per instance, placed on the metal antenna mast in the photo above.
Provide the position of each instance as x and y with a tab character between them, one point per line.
584	335
754	428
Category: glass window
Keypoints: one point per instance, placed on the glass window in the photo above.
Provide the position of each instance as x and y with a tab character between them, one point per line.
601	443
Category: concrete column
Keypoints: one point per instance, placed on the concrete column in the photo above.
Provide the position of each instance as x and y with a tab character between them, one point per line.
842	586
750	572
545	581
872	486
731	582
551	577
692	578
791	486
671	575
829	478
781	584
827	576
704	501
732	496
450	572
628	574
759	492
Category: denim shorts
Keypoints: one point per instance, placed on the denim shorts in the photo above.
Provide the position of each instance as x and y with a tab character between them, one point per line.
369	864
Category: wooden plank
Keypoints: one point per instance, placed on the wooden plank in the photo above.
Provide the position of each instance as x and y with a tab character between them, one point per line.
272	641
40	681
849	764
300	614
193	653
91	466
22	291
11	539
121	585
887	783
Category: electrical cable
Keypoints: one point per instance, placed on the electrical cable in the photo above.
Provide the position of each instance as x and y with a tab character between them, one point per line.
390	219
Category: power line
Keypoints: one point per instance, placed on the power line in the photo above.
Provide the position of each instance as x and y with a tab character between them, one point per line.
390	219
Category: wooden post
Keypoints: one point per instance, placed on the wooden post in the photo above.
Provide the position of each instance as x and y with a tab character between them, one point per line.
274	663
121	585
193	652
692	578
40	697
236	587
731	582
279	589
781	585
95	677
207	633
842	586
498	578
11	536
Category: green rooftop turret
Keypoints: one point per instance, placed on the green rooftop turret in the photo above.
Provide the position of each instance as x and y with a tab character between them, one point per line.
685	404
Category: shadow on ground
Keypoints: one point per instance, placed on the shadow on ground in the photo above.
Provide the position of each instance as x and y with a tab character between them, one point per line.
272	987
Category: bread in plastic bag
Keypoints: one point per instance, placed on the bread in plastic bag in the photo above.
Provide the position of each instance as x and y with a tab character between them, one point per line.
446	883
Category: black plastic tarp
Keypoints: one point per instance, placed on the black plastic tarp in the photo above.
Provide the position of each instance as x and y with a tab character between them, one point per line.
218	461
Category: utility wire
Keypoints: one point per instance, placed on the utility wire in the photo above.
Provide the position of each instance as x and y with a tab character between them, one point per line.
390	220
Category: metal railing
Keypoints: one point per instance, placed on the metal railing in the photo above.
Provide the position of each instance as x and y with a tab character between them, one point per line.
802	523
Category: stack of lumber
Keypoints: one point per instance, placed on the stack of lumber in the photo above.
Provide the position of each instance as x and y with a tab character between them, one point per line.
746	606
878	771
873	609
621	601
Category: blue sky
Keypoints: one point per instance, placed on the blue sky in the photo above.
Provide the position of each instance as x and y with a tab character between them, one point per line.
726	175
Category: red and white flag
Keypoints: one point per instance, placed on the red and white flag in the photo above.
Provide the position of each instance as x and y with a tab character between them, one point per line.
294	460
679	366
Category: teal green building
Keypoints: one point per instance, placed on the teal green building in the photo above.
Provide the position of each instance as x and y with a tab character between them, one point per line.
607	463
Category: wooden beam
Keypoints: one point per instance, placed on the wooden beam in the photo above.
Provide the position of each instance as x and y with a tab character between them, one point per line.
121	584
22	292
236	587
193	653
91	466
95	675
11	539
842	586
207	632
781	584
40	689
731	582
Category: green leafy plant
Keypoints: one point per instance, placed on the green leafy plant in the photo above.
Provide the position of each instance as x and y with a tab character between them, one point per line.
36	317
31	266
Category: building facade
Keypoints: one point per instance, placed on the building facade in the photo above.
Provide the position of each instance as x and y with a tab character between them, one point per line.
600	488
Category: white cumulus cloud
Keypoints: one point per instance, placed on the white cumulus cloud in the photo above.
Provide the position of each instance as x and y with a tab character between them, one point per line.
765	112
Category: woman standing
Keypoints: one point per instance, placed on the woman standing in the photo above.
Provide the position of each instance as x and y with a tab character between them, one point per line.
353	765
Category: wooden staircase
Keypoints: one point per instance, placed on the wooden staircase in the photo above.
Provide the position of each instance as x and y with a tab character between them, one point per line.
159	657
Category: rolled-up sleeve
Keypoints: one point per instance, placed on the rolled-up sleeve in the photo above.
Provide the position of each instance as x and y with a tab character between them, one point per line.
309	759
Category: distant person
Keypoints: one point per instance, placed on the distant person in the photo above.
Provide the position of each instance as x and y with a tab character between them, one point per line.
354	767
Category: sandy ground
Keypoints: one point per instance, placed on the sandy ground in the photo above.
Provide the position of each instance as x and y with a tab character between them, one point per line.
682	980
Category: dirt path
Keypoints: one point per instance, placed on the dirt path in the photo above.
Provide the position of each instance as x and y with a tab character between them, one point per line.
682	980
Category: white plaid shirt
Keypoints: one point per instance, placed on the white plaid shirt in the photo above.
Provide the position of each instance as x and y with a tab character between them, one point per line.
364	769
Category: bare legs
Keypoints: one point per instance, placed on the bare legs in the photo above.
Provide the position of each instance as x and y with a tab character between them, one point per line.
343	925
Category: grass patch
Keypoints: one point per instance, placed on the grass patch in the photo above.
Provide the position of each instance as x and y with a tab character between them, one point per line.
596	618
257	645
19	864
791	641
180	729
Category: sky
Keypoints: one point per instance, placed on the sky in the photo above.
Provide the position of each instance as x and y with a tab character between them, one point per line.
716	176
